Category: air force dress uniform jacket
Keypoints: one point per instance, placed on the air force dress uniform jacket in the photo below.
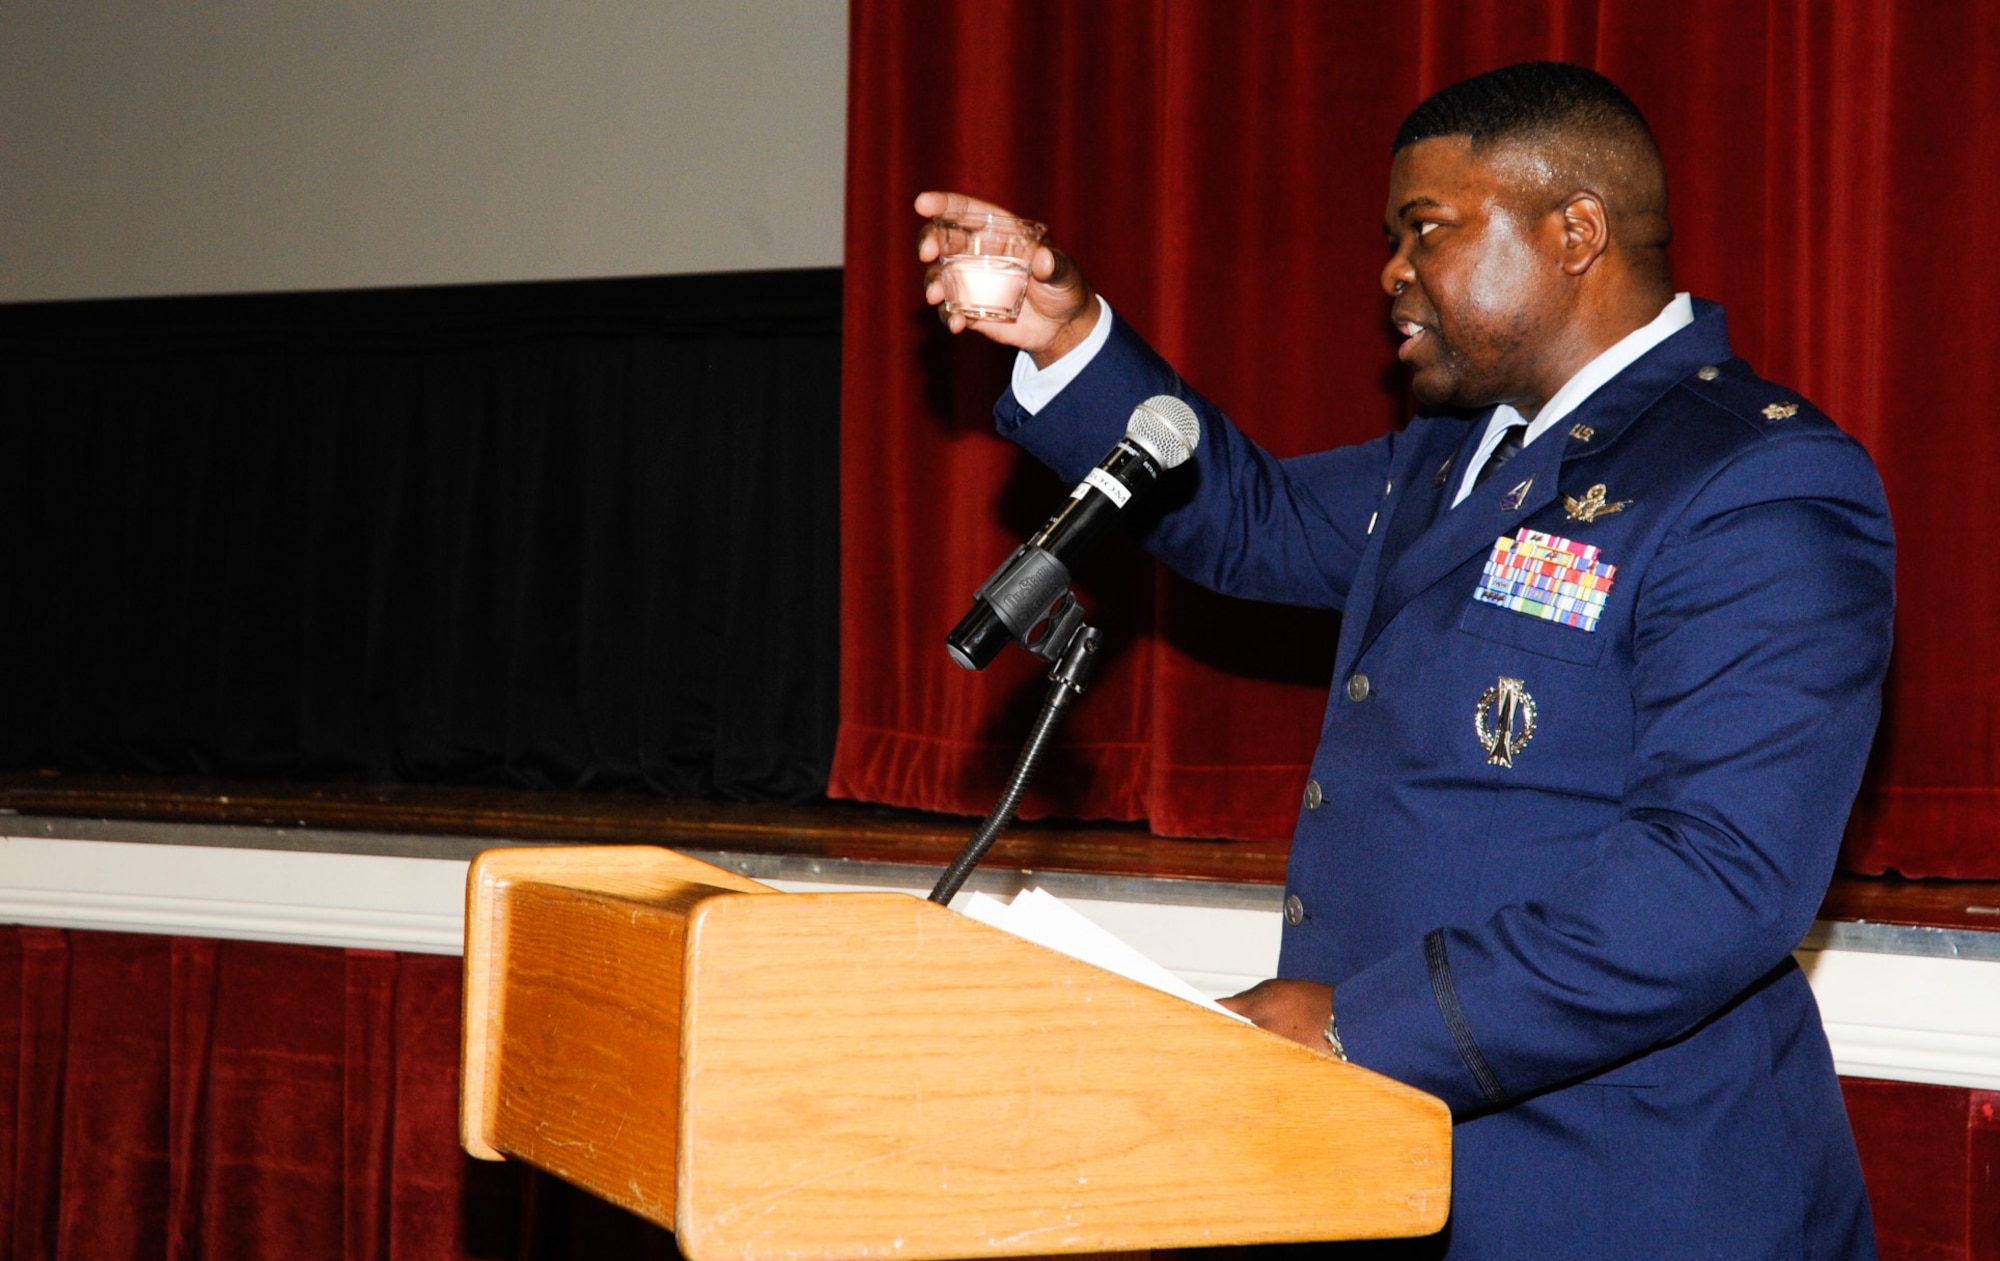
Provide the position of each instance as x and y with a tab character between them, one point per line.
1555	852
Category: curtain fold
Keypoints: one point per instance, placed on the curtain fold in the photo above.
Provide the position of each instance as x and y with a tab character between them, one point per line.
183	1098
1218	169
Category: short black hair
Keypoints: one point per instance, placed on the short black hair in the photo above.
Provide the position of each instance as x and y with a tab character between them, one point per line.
1533	100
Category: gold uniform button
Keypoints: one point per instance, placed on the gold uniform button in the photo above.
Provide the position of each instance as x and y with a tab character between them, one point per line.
1295	910
1708	372
1313	795
1358	688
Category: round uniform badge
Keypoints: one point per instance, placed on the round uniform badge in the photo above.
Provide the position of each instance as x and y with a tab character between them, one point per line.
1504	721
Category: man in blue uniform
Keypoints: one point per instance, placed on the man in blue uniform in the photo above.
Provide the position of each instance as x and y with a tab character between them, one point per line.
1616	613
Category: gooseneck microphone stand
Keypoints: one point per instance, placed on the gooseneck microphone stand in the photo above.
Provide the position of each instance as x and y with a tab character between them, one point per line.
1028	599
1073	660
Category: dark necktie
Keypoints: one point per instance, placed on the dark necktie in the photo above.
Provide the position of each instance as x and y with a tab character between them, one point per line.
1510	446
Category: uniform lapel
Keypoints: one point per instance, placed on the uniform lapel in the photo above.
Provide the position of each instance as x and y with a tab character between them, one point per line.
1425	497
1521	488
1412	504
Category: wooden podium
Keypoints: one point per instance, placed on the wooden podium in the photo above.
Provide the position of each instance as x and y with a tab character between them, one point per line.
854	1074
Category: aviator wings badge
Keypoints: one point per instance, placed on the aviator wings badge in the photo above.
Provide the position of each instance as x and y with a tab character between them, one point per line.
1592	505
1505	721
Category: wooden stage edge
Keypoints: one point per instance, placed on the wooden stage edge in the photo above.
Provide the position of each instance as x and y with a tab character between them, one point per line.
828	829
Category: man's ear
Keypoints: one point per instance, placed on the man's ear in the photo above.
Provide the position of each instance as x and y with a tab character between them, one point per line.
1586	232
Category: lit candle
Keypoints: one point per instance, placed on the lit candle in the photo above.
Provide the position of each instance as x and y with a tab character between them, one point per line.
986	286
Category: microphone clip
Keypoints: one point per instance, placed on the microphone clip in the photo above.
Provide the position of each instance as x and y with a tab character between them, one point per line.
1029	598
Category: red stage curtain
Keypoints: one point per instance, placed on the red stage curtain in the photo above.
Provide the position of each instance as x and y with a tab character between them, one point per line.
1931	1155
1219	168
186	1098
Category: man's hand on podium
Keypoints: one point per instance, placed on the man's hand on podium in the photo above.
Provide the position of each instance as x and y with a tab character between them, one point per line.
1297	1009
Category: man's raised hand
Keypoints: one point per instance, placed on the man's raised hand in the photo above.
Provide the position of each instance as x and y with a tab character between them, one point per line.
1060	308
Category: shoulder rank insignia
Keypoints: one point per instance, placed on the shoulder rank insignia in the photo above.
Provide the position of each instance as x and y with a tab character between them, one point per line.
1781	411
1516	497
1592	505
1504	721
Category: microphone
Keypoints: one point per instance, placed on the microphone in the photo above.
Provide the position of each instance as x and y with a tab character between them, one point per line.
1161	434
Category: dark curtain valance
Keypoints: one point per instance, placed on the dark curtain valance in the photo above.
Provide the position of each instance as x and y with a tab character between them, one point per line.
574	535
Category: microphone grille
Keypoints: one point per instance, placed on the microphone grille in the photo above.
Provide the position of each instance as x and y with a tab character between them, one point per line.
1166	428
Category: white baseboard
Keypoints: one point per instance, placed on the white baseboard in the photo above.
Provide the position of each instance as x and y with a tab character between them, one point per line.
314	899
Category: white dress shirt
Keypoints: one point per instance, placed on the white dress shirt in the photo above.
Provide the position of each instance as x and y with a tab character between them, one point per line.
1034	387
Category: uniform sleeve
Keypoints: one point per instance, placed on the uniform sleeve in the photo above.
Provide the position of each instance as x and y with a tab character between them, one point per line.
1235	519
1762	635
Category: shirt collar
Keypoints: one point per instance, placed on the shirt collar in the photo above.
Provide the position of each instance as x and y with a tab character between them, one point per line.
1620	355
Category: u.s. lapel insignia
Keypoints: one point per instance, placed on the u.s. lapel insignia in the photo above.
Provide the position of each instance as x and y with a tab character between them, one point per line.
1505	721
1781	411
1516	497
1582	433
1592	505
1444	471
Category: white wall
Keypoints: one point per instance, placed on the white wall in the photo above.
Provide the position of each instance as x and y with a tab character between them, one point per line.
246	145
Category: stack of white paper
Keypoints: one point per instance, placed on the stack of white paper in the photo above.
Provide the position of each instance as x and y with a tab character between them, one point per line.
1047	921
